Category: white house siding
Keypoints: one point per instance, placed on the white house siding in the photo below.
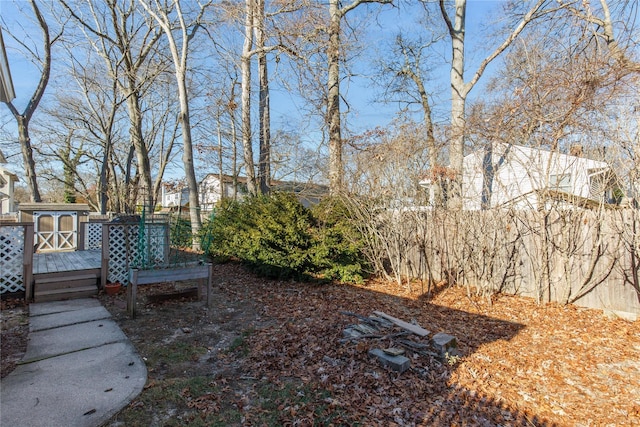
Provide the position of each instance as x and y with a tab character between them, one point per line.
174	198
209	192
7	180
520	171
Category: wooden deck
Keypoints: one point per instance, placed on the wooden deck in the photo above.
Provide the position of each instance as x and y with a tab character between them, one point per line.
56	262
65	275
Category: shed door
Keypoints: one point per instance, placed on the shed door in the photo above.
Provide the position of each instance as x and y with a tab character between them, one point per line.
55	231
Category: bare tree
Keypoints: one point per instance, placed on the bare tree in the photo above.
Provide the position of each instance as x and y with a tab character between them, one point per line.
456	26
23	119
336	15
264	161
600	29
179	54
383	168
408	84
88	112
245	66
264	32
127	43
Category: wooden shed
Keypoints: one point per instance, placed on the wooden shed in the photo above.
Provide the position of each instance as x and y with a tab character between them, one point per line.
56	225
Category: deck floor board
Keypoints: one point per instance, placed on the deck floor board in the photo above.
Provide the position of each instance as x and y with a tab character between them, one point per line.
55	262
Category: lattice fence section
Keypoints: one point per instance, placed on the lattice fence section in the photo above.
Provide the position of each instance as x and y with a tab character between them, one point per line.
128	248
11	259
93	236
153	246
123	243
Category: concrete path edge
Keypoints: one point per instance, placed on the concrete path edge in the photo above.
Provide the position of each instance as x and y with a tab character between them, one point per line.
80	369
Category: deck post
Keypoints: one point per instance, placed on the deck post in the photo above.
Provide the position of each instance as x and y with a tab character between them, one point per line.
82	232
104	264
132	291
27	262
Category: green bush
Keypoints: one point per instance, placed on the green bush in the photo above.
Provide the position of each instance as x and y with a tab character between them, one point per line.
180	232
278	237
337	245
270	233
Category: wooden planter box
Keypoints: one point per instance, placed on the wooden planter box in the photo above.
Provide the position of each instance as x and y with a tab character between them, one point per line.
175	274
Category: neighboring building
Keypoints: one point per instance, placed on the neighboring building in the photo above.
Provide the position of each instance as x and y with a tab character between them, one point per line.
530	178
7	184
6	85
211	189
174	194
308	194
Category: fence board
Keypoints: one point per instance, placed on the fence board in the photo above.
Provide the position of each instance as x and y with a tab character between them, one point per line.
581	256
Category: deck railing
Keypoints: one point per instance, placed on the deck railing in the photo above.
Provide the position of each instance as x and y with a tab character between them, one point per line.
90	235
16	258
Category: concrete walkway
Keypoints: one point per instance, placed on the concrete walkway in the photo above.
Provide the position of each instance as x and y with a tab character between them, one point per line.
79	368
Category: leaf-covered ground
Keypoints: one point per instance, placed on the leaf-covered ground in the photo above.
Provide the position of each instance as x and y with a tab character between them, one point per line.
270	353
522	364
14	329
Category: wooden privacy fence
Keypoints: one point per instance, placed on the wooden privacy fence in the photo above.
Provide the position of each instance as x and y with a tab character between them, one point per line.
586	257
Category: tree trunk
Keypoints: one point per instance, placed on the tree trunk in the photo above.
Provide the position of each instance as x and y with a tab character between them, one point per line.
234	141
220	158
458	100
137	141
488	175
103	184
179	57
187	158
234	154
70	162
27	158
24	118
245	65
430	138
333	101
460	89
264	163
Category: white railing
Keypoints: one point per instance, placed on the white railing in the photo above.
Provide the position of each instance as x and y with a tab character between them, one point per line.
16	258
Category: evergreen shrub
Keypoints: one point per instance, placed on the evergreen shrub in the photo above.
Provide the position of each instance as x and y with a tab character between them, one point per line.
337	249
278	237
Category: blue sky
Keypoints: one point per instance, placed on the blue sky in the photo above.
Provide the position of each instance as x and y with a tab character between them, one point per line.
286	109
359	92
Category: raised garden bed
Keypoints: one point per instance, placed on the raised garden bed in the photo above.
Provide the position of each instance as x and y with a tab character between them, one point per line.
137	277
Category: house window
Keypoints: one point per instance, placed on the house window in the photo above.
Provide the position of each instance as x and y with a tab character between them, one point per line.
560	182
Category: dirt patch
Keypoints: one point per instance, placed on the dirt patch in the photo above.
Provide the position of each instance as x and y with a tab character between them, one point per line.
269	353
14	331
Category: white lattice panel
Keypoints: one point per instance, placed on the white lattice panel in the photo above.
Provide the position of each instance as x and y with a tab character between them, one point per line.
11	259
156	244
127	249
93	236
123	248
